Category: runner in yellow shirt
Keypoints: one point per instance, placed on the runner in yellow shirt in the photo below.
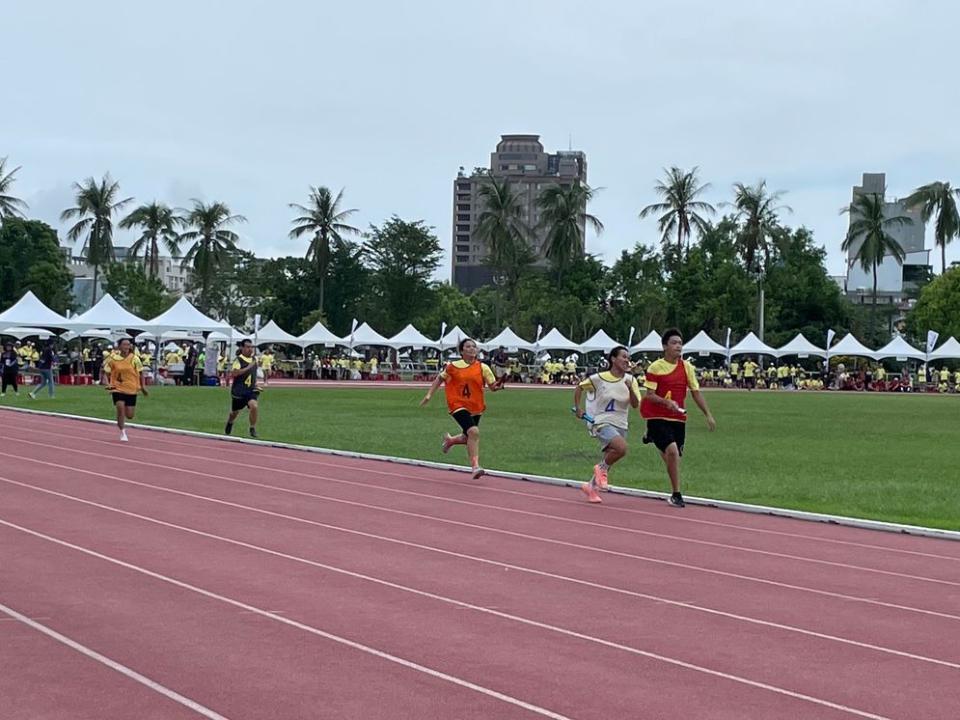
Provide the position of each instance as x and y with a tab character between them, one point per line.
124	370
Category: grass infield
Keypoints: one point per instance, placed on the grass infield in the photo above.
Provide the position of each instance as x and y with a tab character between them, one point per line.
883	457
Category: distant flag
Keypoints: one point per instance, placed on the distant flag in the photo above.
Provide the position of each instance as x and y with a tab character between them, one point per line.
443	332
727	346
830	336
932	337
630	339
353	329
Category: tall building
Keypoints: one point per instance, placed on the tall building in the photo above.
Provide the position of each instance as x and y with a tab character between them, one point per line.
894	280
522	160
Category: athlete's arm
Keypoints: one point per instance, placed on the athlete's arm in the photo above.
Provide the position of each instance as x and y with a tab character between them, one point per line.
577	398
634	387
657	400
433	388
701	402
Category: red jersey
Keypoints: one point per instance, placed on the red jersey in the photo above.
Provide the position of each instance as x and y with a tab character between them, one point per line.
463	385
671	381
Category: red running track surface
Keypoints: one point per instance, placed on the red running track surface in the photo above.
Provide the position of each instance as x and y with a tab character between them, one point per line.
177	577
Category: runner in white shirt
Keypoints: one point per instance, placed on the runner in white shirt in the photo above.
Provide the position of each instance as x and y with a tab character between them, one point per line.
610	395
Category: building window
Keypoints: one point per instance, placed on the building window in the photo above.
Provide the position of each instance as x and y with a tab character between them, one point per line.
463	228
463	238
463	258
463	198
529	167
463	218
464	207
463	187
463	248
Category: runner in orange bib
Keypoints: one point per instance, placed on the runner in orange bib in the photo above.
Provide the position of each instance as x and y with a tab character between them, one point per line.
464	381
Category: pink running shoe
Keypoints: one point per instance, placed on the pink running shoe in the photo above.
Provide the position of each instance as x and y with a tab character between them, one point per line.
592	495
600	478
445	447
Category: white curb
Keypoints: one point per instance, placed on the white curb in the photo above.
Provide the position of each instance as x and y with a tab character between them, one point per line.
903	529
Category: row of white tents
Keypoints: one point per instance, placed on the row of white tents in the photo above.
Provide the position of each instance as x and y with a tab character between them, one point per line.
107	318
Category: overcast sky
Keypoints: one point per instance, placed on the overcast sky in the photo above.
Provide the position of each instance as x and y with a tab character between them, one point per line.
252	102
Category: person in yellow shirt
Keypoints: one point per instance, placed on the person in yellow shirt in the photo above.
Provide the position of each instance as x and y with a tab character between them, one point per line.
266	362
243	388
750	374
124	370
944	376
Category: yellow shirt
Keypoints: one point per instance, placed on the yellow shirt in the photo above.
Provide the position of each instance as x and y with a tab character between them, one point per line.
266	361
124	373
663	367
750	369
488	377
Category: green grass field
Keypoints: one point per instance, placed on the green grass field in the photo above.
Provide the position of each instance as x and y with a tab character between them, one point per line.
886	457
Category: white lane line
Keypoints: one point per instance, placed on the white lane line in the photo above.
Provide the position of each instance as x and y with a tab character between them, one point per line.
498	508
113	664
435	673
613	553
689	605
322	461
321	454
298	625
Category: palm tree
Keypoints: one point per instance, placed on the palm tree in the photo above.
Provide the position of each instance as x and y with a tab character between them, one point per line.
10	206
159	223
501	227
324	218
869	226
938	198
680	207
564	217
213	244
758	212
96	205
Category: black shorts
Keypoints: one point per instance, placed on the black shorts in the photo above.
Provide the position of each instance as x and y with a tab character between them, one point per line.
239	403
663	433
465	420
127	400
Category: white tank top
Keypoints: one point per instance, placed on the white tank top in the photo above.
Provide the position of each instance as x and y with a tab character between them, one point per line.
608	402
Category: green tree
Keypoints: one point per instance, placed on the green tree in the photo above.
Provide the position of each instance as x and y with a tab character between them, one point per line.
634	291
213	244
236	292
563	218
938	198
324	218
868	234
500	226
402	257
349	295
138	292
30	259
95	208
158	224
938	307
449	306
290	286
681	211
10	206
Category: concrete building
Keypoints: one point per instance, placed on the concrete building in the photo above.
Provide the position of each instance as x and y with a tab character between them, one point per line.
522	160
895	281
174	277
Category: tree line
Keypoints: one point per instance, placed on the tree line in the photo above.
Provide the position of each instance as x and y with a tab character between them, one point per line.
707	272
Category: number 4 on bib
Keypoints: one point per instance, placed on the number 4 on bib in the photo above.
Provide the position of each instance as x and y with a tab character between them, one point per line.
611	406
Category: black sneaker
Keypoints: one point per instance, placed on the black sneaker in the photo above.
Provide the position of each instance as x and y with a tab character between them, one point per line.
253	432
646	440
228	429
676	499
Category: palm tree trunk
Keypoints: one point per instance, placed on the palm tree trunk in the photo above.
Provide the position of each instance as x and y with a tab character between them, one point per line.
322	283
874	311
943	257
96	277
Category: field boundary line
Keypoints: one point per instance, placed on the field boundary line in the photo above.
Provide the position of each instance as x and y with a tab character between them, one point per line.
863	523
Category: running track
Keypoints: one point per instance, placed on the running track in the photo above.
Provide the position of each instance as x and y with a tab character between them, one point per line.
179	577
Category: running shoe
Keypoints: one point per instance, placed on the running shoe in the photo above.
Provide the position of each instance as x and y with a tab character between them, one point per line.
123	436
591	493
676	499
445	443
478	472
600	478
253	433
228	429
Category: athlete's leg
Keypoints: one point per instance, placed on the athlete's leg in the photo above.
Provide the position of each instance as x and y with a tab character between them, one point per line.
671	458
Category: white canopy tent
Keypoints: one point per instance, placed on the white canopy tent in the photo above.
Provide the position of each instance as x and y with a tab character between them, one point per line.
849	345
452	338
651	343
555	340
509	340
320	335
412	338
801	347
235	336
24	332
703	344
271	334
752	345
899	348
28	311
184	317
949	350
366	335
108	314
598	342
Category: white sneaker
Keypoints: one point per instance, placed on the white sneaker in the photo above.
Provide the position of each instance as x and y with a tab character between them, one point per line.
123	436
477	472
